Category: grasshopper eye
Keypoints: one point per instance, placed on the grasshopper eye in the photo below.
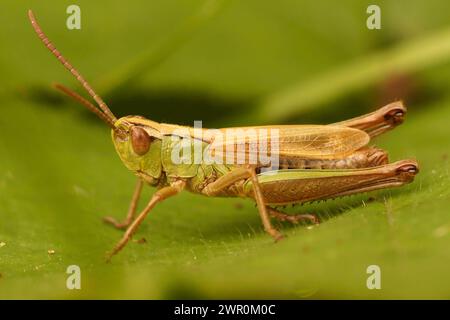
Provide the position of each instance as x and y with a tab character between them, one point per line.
140	140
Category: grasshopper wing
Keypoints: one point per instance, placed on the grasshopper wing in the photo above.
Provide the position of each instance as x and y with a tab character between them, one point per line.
303	141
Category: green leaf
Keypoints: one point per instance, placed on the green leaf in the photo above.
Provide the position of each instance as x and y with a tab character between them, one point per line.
59	174
130	72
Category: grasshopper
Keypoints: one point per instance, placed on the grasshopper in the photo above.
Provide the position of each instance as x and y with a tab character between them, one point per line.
316	162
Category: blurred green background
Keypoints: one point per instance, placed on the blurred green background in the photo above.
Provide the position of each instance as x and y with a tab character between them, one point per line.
225	62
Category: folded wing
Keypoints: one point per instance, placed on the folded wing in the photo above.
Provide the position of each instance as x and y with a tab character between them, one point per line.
308	141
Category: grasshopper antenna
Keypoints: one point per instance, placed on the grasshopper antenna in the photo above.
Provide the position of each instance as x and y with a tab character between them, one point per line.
75	96
106	111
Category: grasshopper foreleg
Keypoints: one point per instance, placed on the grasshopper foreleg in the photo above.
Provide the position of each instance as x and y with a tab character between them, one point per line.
131	210
281	216
159	196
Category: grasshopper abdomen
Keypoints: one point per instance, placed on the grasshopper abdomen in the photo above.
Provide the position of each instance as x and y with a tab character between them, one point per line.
363	158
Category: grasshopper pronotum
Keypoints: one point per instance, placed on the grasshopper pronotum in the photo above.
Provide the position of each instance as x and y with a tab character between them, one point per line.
315	161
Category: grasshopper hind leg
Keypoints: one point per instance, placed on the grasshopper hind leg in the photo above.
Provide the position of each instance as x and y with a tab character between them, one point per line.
379	121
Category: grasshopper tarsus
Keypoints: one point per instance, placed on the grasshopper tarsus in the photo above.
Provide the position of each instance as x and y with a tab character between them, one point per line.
115	223
292	218
278	237
107	257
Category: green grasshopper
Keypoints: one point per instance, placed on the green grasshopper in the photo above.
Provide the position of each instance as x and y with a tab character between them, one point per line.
314	162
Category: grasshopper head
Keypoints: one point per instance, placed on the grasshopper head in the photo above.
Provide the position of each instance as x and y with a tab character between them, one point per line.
133	138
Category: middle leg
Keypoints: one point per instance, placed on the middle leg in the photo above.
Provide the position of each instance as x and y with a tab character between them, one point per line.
232	177
262	208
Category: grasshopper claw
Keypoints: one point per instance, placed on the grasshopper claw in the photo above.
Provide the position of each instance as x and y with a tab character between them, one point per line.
112	253
108	257
279	237
115	223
